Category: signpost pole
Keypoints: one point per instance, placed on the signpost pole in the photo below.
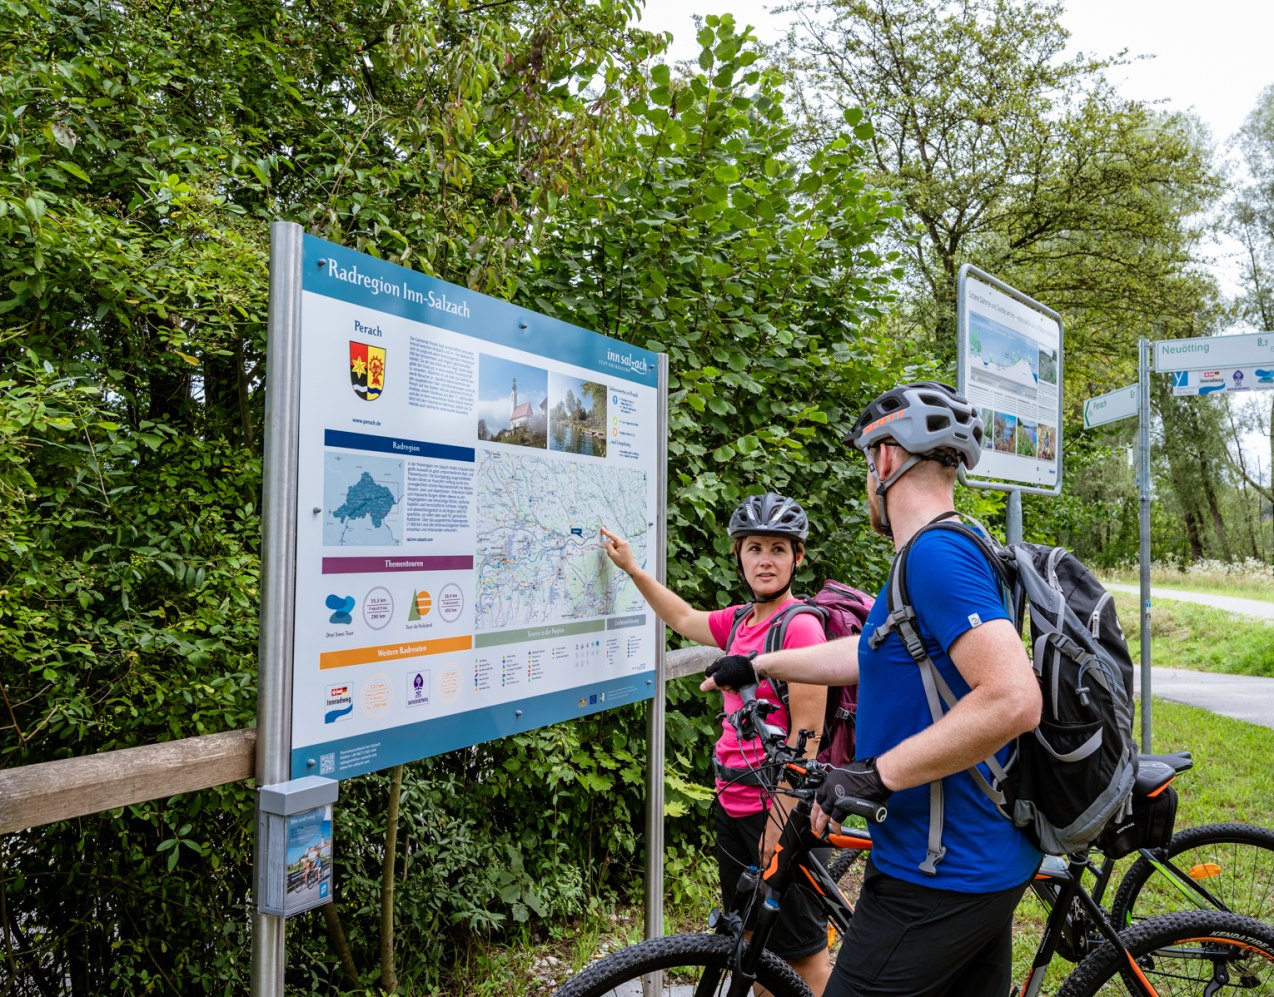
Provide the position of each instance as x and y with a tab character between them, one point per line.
278	556
656	714
1143	485
1013	516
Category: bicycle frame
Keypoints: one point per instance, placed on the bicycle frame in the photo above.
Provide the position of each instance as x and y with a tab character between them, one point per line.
1059	883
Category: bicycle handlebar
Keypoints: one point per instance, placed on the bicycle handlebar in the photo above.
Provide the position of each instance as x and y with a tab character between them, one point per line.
868	810
749	721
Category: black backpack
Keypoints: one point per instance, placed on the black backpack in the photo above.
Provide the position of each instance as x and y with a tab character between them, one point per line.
841	609
1065	781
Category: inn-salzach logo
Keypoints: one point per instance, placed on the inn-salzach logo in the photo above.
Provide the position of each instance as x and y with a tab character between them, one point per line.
366	370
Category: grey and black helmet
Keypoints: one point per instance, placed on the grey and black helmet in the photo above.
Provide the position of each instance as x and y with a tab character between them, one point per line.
769	515
923	418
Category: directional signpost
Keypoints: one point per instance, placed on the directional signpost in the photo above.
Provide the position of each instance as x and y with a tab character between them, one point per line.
1111	407
1217	363
1198	367
1123	403
1214	352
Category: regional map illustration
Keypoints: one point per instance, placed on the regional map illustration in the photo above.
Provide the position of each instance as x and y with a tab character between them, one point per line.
538	558
362	501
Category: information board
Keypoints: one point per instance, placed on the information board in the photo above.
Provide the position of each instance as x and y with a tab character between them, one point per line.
1010	366
457	456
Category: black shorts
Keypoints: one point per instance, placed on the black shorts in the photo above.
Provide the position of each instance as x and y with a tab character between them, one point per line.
801	929
914	941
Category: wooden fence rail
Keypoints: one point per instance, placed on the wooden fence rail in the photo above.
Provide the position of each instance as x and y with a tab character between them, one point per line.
75	787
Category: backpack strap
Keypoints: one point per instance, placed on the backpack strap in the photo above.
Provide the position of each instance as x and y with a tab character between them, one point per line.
740	615
901	619
736	777
777	633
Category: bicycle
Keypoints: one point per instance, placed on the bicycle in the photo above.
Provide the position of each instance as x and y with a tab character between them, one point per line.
1226	866
1207	949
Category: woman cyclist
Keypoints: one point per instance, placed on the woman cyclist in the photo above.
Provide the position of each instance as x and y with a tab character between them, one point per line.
768	532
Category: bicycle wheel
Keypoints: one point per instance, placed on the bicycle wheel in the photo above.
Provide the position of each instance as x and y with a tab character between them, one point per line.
1234	863
701	961
1190	953
847	867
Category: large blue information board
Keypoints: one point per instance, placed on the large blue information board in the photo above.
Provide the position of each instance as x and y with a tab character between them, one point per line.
457	455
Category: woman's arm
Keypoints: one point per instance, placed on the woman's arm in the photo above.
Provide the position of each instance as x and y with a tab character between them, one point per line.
807	705
667	605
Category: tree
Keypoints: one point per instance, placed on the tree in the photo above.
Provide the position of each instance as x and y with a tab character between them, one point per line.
755	268
1252	223
521	149
1008	154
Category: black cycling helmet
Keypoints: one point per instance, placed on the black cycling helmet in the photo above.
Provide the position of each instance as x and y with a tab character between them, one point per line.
769	515
922	418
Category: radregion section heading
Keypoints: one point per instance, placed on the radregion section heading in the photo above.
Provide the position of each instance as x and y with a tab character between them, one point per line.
337	272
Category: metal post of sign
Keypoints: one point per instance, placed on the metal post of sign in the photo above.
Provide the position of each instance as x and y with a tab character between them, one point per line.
1013	516
1143	487
655	716
278	555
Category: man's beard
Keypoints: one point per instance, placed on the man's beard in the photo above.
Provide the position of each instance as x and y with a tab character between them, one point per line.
873	514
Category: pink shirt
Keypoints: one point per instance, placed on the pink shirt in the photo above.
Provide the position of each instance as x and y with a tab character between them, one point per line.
804	630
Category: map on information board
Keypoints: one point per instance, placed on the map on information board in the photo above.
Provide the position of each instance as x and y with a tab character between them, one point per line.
458	456
362	499
537	556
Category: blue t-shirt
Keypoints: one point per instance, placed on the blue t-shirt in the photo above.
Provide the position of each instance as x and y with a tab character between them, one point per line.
953	589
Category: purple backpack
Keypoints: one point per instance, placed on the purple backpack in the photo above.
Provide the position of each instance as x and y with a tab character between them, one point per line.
842	609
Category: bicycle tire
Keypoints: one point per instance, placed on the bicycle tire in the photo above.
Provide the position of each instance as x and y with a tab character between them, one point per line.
845	860
1234	862
707	955
1182	954
847	869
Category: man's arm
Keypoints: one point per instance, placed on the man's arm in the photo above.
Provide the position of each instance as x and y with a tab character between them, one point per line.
832	663
1004	701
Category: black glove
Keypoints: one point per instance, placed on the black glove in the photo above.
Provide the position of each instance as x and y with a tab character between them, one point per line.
732	671
857	780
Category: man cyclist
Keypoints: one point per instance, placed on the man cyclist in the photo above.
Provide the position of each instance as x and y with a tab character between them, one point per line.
929	921
769	533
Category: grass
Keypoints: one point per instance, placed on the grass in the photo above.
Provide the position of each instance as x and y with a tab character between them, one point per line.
538	961
1200	638
1228	783
1248	579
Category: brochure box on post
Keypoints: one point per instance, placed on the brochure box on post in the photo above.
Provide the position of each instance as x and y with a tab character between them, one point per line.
295	831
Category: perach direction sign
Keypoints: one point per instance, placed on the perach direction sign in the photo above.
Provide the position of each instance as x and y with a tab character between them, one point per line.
1110	407
1205	382
1216	353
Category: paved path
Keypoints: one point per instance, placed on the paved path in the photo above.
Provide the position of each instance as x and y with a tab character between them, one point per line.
1256	608
1243	697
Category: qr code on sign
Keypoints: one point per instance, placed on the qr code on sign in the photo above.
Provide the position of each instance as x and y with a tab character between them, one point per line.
327	763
